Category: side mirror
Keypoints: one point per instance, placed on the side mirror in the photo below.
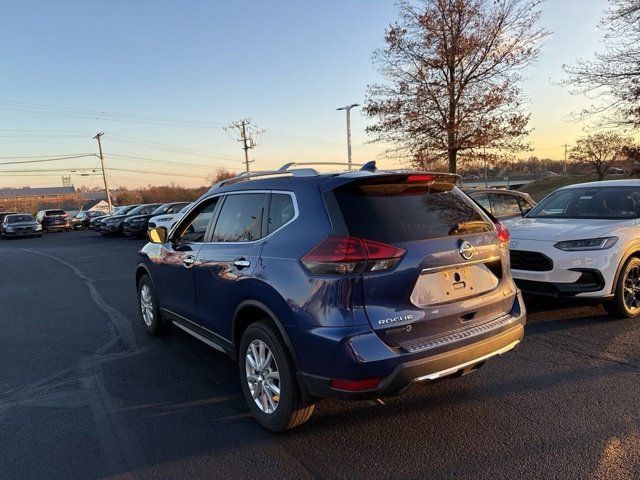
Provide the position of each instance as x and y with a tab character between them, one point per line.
157	235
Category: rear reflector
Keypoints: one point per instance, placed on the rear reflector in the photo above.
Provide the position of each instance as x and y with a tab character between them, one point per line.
503	233
345	255
355	385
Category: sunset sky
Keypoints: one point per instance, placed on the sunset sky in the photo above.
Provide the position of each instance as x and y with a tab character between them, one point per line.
198	65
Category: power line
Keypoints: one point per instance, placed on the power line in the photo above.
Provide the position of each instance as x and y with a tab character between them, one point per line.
74	112
169	148
157	160
46	159
171	174
48	156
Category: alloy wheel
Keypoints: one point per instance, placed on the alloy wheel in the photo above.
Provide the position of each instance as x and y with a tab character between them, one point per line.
146	304
632	289
263	376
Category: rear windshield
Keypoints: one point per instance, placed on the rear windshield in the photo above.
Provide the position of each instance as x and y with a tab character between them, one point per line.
403	212
19	218
55	213
590	202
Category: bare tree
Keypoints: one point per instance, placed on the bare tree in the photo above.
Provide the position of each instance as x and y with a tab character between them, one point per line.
219	175
601	151
452	70
612	78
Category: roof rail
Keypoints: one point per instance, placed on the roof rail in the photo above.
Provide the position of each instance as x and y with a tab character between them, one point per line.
249	175
287	166
284	171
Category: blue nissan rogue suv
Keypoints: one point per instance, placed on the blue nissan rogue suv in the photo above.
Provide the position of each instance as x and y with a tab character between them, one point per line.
353	285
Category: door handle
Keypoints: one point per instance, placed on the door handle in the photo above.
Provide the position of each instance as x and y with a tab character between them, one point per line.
242	263
188	261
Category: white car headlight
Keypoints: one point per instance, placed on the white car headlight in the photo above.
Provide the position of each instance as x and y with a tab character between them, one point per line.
9	229
587	244
38	227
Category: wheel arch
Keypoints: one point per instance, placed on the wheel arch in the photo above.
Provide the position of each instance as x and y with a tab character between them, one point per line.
250	311
141	270
633	251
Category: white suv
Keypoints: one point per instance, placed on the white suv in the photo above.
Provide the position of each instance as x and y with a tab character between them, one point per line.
584	241
167	220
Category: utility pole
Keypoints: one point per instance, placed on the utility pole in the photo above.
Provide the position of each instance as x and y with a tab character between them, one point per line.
104	175
348	108
245	146
566	145
247	130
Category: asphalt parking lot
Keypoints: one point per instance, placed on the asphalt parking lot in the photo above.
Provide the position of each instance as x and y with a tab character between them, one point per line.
85	393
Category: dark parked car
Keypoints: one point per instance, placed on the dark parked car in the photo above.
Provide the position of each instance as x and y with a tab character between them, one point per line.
96	223
113	225
355	285
82	219
502	204
20	225
138	224
53	220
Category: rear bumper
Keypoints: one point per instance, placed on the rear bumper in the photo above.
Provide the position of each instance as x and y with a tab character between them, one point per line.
363	357
56	226
447	364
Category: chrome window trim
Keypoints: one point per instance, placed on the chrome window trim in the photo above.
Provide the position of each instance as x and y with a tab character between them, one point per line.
296	214
281	192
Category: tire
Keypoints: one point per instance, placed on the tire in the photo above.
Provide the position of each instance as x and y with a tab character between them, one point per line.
289	412
148	309
626	302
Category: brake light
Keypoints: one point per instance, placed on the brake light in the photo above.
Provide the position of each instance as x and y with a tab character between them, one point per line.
355	385
345	255
503	233
420	178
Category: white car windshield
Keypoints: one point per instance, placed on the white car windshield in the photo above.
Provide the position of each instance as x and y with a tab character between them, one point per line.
590	202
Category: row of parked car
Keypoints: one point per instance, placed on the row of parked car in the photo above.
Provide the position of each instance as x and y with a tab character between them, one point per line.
14	224
134	220
130	220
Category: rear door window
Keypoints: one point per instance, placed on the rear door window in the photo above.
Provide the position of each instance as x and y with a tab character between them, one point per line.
403	212
281	211
55	213
483	200
505	205
240	219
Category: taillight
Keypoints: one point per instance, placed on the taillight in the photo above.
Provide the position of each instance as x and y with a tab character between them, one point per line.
420	178
503	233
355	385
345	255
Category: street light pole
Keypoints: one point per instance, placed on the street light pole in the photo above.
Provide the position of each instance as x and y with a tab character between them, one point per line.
484	156
348	108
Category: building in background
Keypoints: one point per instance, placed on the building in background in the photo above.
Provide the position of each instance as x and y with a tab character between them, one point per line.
28	199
